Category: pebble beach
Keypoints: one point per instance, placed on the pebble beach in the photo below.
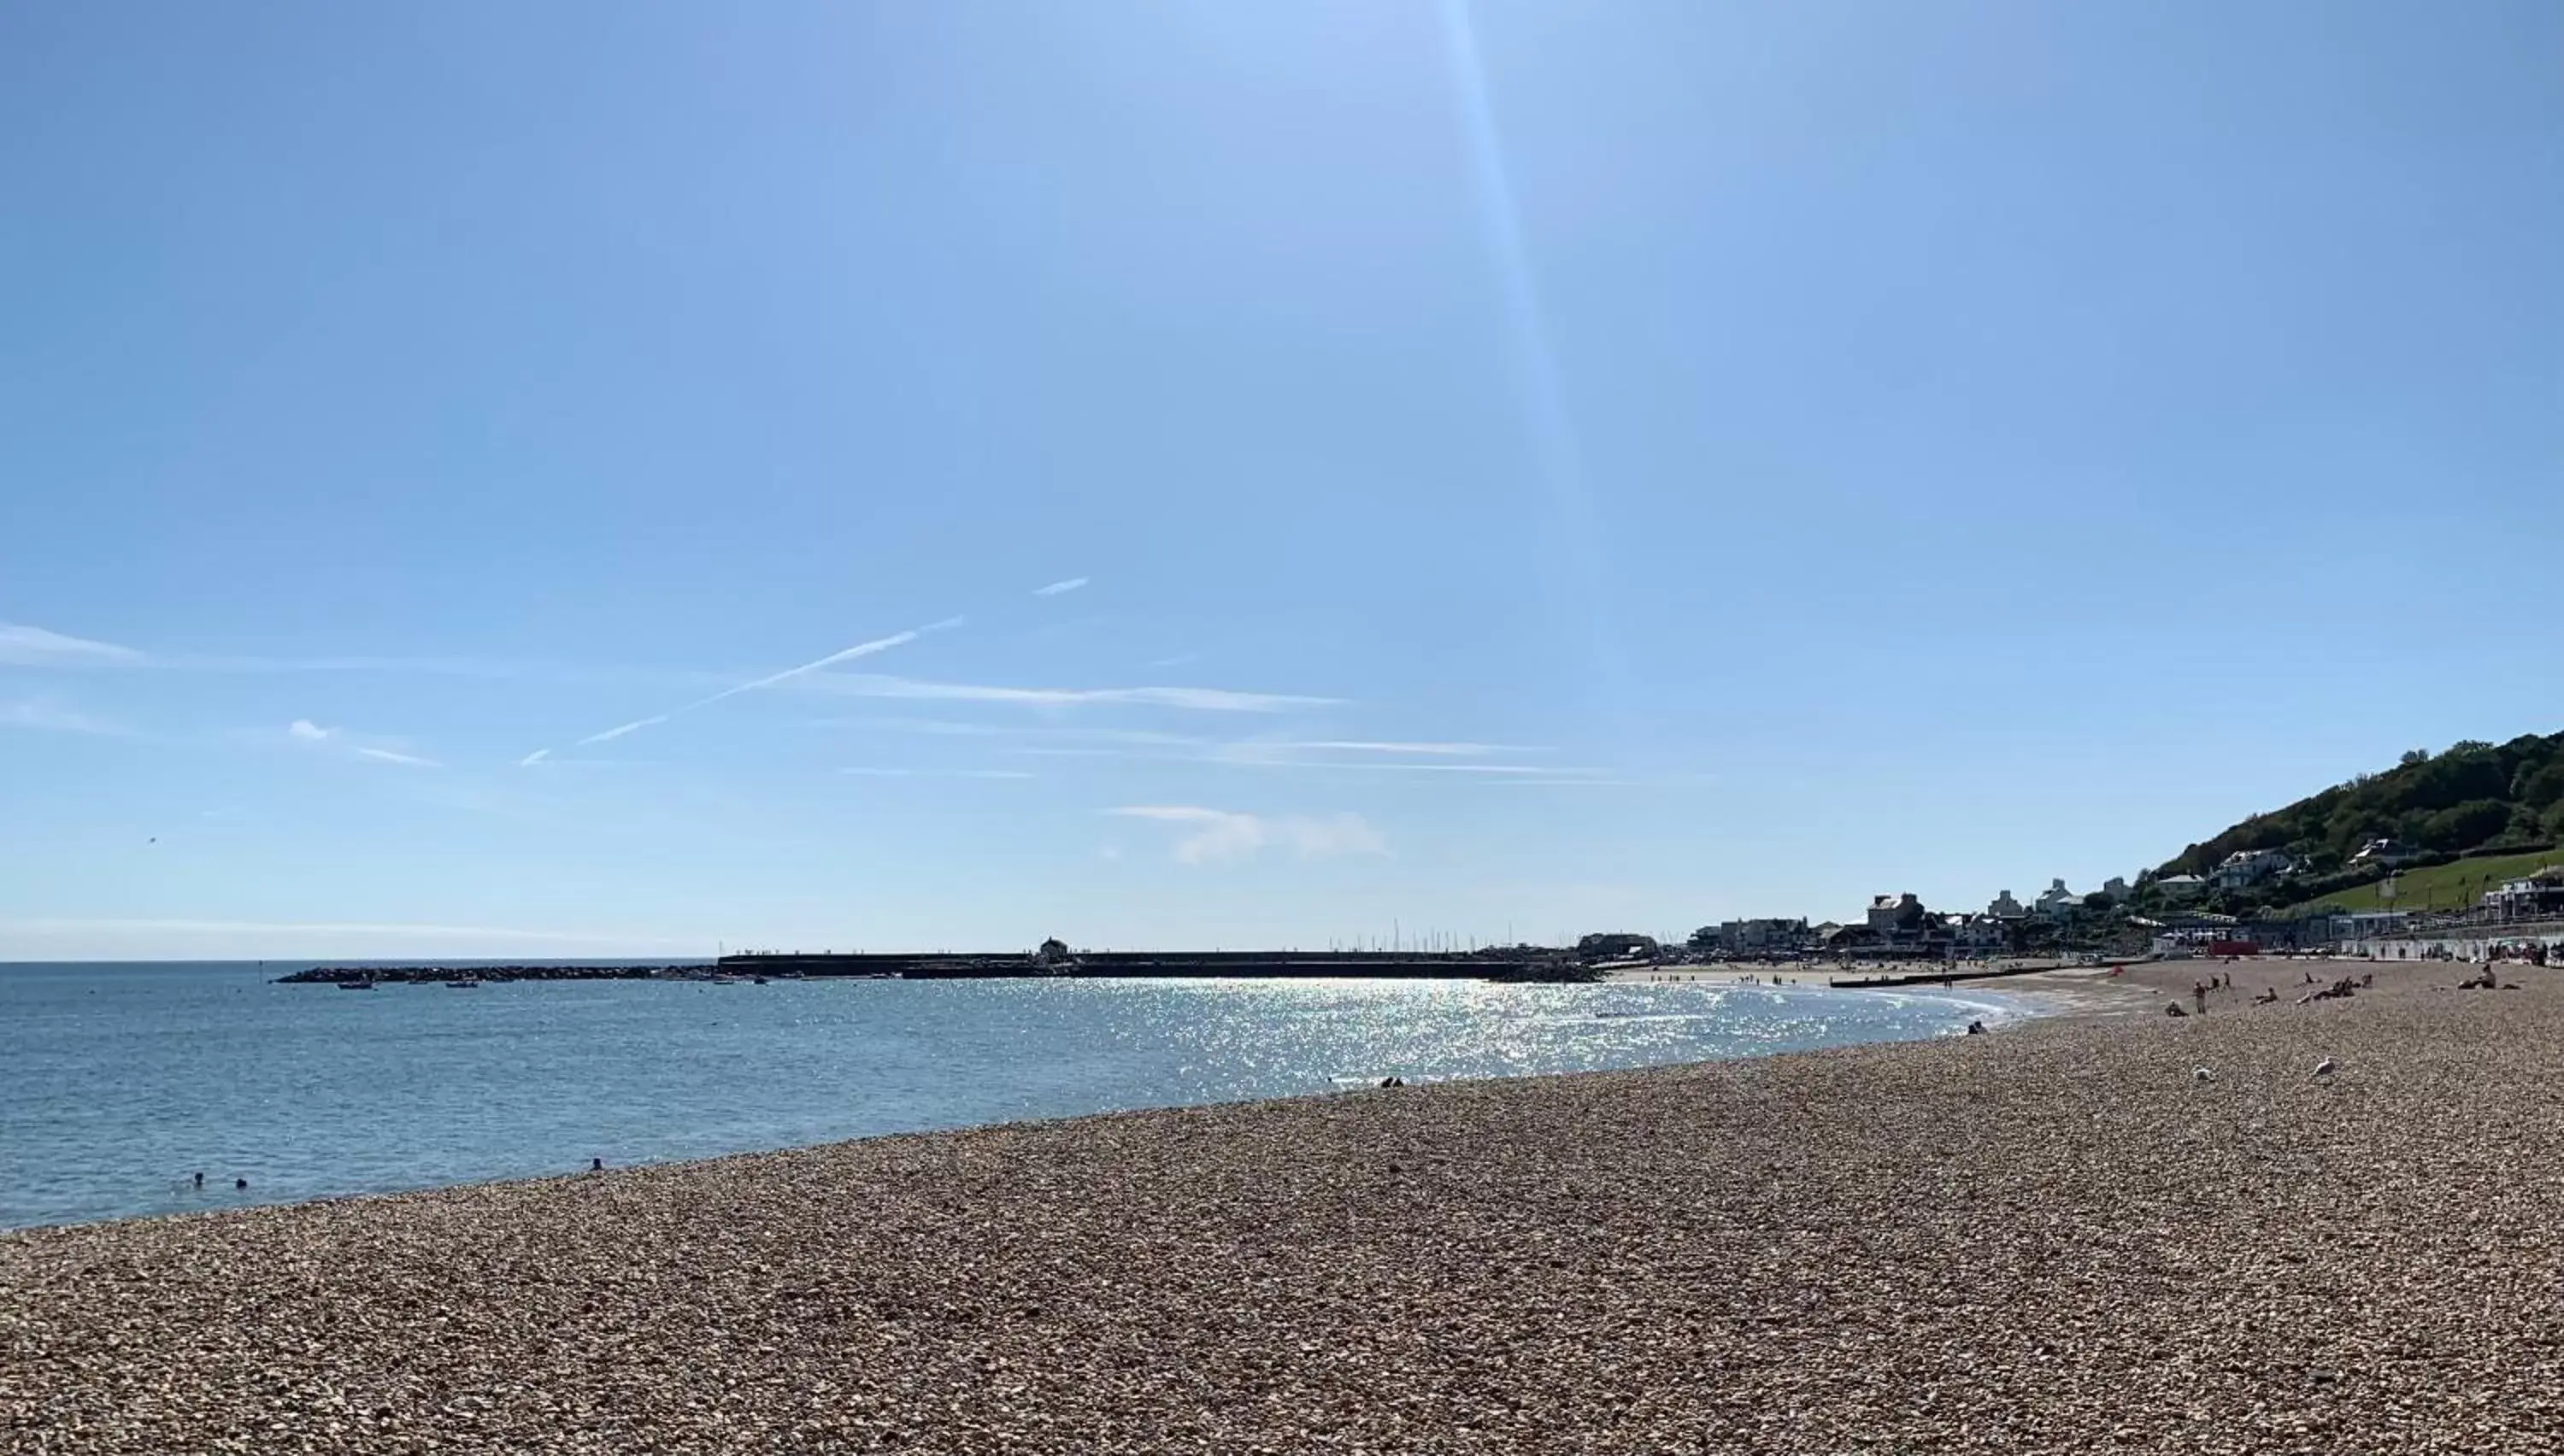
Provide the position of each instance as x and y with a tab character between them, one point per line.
2091	1232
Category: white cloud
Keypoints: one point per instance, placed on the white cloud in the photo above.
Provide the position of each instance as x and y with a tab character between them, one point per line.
1061	588
47	715
1198	699
22	646
307	730
1219	836
535	758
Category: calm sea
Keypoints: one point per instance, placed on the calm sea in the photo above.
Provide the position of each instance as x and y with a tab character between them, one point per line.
118	1082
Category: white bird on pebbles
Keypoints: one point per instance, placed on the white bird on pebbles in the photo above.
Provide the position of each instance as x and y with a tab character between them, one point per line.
2324	1067
2202	1074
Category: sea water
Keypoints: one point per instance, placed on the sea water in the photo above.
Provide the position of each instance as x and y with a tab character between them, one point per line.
118	1083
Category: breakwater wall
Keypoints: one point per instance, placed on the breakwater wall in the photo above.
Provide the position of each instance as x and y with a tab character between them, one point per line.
1260	964
439	974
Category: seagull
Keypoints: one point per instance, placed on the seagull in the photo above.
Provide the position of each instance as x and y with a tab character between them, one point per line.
2202	1074
2324	1067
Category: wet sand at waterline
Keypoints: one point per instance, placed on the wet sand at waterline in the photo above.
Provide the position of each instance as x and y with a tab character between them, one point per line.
2054	1237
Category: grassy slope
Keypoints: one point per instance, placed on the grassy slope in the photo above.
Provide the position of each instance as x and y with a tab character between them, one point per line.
2458	885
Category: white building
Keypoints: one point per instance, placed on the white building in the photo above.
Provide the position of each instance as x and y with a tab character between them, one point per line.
2056	902
2387	851
2181	887
1977	936
2249	866
1745	938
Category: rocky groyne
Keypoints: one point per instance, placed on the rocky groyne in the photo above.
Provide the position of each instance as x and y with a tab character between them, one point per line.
444	974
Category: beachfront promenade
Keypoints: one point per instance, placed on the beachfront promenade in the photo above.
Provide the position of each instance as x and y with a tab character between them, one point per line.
2054	1238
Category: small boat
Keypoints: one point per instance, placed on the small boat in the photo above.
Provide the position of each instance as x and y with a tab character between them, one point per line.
462	986
355	985
726	980
761	980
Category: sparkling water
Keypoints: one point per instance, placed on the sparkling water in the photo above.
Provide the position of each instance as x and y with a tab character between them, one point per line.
119	1082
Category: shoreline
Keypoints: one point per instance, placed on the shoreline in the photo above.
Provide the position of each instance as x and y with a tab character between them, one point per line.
2001	1011
2054	1236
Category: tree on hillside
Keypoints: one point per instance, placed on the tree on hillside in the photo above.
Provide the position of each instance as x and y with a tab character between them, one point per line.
2540	785
2428	800
2463	826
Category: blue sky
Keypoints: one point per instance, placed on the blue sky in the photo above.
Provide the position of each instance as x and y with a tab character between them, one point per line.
1291	470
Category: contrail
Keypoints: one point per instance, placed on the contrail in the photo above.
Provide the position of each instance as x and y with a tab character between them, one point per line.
860	649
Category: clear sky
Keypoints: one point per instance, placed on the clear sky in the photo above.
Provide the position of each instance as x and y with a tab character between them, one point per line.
1290	470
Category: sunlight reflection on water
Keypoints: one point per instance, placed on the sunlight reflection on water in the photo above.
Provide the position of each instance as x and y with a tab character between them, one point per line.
122	1080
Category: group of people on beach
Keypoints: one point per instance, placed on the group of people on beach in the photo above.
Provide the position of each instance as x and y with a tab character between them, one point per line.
2224	980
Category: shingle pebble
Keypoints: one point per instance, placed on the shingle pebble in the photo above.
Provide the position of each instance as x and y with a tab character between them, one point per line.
2054	1238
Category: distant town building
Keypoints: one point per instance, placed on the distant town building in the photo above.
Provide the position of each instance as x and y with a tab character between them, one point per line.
2181	887
1976	936
2249	866
1890	914
1762	937
2386	852
2538	895
2116	887
2056	902
2004	908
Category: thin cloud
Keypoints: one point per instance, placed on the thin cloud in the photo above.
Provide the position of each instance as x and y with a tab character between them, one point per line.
871	772
860	649
1195	700
388	755
610	734
369	748
388	931
1374	766
1223	836
1449	750
23	646
535	758
45	716
1061	588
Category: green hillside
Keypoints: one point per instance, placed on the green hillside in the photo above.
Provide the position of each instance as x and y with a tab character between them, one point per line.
2475	796
2459	885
